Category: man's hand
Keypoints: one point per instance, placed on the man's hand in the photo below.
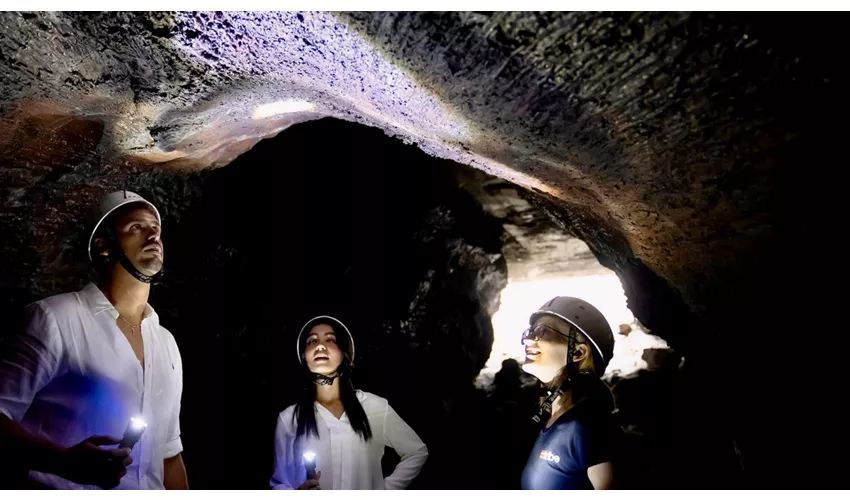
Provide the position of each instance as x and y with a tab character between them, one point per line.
311	484
88	463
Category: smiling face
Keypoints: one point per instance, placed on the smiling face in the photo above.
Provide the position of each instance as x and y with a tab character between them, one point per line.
547	355
547	347
322	351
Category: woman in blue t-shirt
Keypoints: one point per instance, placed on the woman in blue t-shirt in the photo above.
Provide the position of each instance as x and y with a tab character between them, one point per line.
567	346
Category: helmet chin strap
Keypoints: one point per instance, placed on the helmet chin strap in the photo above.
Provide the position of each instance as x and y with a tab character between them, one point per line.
545	409
130	268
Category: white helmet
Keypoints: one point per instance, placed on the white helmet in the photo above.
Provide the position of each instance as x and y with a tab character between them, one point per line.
113	201
337	324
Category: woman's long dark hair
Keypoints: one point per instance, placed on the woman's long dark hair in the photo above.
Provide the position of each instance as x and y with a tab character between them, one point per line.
305	411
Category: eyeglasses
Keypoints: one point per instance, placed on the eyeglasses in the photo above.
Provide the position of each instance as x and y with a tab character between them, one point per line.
540	331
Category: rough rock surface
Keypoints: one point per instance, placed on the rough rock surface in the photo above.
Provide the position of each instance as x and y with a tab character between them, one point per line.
534	246
692	152
649	123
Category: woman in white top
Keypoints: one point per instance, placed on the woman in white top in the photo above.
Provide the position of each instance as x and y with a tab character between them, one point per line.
343	429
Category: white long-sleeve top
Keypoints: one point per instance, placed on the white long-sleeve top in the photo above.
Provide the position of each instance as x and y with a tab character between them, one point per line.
71	374
344	459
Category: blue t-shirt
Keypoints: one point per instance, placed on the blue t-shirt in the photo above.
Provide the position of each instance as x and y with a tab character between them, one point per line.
578	440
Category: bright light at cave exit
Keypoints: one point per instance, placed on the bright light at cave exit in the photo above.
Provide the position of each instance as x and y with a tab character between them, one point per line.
520	299
282	107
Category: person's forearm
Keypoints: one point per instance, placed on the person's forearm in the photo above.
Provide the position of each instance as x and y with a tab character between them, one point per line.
175	477
407	470
601	476
29	452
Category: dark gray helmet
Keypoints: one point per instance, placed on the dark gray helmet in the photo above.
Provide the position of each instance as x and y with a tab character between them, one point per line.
588	320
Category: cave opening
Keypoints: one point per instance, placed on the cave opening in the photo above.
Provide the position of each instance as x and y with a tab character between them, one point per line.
544	261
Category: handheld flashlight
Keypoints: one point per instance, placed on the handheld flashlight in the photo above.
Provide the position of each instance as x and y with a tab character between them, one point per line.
310	464
135	428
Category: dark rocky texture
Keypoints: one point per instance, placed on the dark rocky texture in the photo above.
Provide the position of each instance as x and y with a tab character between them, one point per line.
534	245
694	153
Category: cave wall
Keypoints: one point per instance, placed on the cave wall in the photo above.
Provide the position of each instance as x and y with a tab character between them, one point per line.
675	133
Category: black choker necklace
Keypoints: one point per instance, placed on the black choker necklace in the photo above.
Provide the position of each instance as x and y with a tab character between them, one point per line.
324	379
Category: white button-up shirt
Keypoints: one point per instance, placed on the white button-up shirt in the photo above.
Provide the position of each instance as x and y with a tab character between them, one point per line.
344	459
71	374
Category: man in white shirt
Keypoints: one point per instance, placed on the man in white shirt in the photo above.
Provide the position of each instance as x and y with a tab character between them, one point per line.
89	361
